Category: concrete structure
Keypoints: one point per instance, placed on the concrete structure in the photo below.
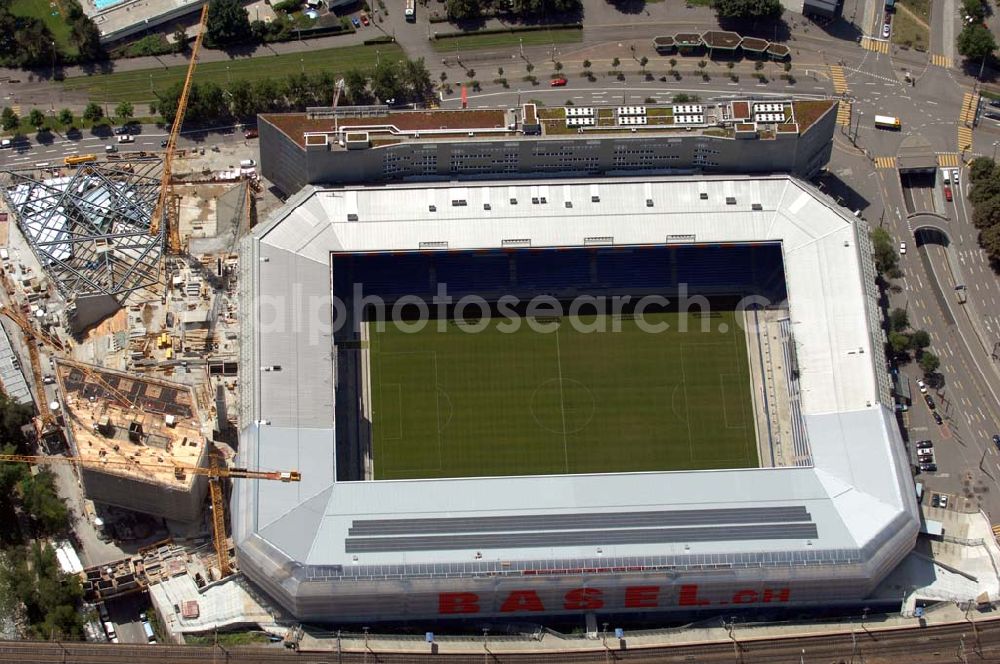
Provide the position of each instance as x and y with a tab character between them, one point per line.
138	429
118	20
821	534
373	144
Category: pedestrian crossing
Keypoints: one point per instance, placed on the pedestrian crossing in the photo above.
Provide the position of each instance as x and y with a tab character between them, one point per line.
940	60
876	45
964	139
844	113
969	103
16	108
885	162
948	159
839	81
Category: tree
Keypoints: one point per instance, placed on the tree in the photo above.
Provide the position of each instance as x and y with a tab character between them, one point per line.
990	240
417	79
886	258
748	8
899	320
980	168
899	342
36	118
463	10
985	189
974	8
181	38
93	112
356	87
386	83
44	504
920	340
643	61
929	362
986	213
66	117
258	31
615	62
87	38
9	119
976	42
228	23
124	111
587	64
241	99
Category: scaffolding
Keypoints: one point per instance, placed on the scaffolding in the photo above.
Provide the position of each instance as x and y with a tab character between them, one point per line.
89	226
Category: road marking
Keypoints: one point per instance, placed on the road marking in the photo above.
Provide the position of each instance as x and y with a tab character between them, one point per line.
947	159
940	60
875	45
964	139
970	102
844	113
885	162
839	81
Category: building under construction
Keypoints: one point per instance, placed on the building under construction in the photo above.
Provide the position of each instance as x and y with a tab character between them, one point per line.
135	436
89	226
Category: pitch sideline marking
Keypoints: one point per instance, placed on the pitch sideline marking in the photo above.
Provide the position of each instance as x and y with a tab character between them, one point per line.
562	402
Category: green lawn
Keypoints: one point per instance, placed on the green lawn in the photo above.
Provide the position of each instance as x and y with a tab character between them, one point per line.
134	86
57	24
458	404
507	39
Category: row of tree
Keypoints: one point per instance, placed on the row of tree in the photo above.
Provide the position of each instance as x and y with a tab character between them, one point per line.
31	581
461	10
976	42
25	41
402	81
985	198
93	113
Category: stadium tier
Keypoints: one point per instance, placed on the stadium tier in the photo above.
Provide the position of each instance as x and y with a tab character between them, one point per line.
551	461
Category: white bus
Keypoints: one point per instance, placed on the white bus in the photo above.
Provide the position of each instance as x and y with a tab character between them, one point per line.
411	11
887	122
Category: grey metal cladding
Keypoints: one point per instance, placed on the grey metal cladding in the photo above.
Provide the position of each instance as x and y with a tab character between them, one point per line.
582	538
596	520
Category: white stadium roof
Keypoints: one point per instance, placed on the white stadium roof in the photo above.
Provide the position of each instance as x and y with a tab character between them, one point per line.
858	493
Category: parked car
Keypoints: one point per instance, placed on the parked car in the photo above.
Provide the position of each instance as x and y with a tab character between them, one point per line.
995	103
922	385
925	445
944	502
251	133
938	418
996	440
930	401
992	116
936	501
902	248
364	18
947	193
120	131
558	82
928	467
356	21
885	30
6	144
163	143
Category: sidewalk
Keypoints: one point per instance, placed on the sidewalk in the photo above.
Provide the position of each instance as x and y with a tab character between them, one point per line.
549	642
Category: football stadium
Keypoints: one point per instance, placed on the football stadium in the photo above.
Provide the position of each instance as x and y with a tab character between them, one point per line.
614	396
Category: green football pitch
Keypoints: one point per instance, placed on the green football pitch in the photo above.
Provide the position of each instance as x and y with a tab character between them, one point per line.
494	403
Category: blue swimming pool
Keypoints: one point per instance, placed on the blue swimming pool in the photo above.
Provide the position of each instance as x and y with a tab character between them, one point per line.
104	4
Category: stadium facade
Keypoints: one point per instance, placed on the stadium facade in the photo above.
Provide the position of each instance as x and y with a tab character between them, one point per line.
819	532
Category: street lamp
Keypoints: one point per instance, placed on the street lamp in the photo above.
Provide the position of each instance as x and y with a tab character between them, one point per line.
995	144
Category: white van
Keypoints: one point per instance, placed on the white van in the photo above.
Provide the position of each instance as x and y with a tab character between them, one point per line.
146	627
946	174
248	163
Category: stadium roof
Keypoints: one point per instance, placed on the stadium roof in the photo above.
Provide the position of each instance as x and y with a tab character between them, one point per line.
857	494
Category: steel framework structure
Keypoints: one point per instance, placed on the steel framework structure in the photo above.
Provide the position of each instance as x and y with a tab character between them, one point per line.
90	226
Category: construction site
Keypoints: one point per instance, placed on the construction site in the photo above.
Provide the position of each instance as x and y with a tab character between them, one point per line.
119	325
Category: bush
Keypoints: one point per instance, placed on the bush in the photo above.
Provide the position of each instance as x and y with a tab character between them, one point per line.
286	6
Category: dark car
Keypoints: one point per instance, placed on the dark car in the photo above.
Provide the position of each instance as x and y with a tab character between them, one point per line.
938	418
995	103
924	445
930	401
163	143
251	133
936	501
119	131
928	467
992	116
996	440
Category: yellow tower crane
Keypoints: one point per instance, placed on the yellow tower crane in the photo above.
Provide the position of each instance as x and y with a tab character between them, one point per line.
166	185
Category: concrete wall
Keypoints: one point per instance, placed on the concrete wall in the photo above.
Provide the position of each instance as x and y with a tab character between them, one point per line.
290	166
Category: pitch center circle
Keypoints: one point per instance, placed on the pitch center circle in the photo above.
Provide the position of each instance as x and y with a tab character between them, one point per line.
562	406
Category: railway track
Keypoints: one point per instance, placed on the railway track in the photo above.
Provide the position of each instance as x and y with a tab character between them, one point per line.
943	643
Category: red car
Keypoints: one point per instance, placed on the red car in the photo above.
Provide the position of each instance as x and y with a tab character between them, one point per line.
947	193
364	18
558	82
